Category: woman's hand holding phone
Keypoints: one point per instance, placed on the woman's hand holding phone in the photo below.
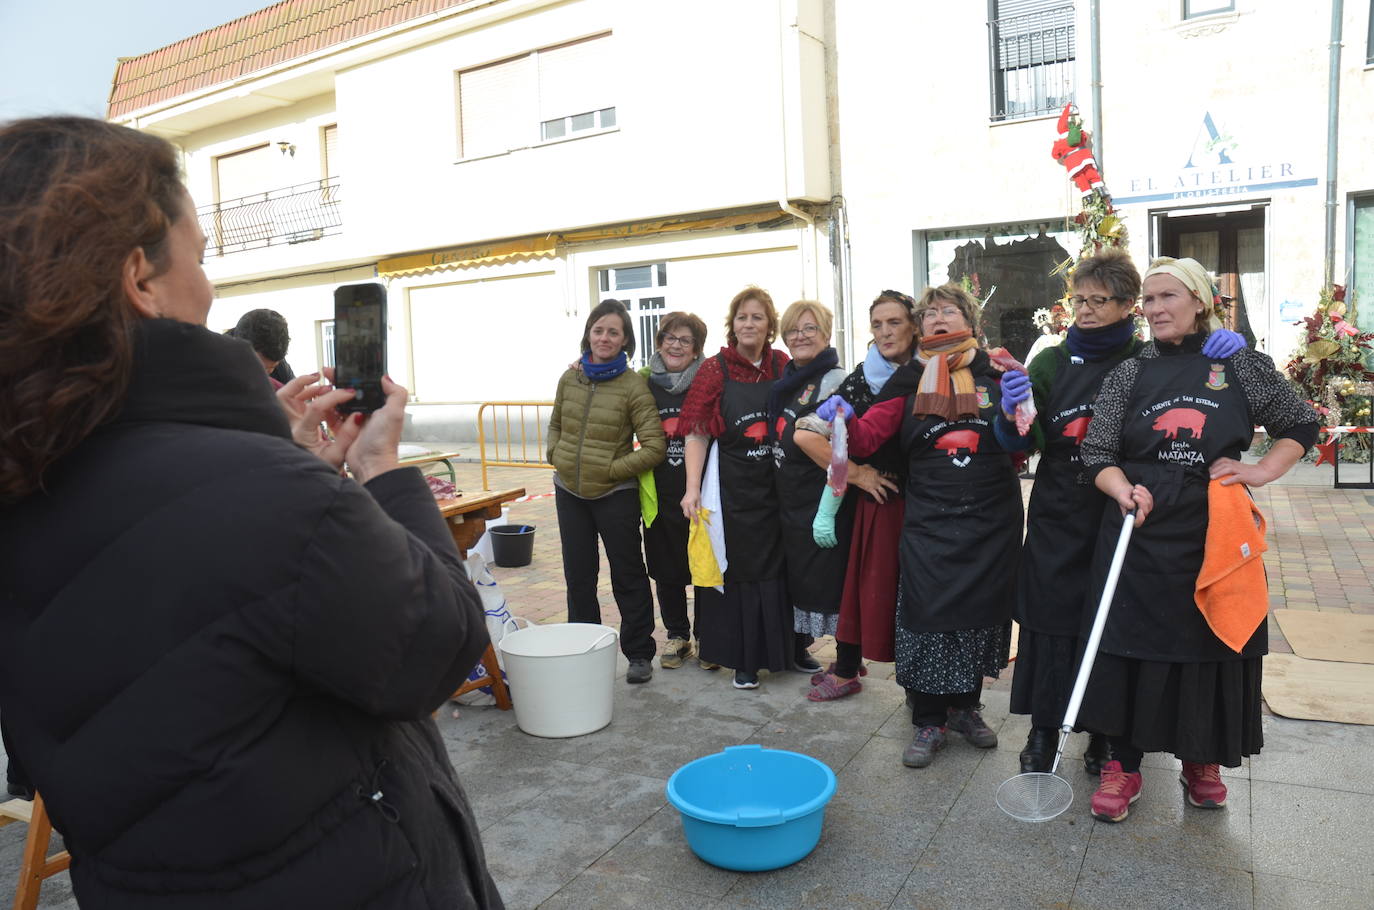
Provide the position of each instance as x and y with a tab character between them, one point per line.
371	448
316	424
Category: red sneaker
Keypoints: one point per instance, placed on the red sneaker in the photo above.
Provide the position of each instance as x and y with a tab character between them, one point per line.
1115	793
1204	786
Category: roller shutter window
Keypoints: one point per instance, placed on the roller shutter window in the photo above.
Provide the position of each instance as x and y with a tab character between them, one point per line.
496	107
1033	48
576	87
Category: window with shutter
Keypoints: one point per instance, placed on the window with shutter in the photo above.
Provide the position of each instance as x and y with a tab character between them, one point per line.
329	142
1195	8
545	95
1033	47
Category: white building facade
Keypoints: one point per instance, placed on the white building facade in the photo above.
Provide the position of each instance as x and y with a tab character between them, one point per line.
503	166
1211	137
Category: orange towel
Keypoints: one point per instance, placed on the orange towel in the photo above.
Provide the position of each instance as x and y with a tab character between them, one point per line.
1231	589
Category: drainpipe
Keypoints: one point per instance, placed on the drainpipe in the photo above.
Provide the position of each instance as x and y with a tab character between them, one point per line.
1095	36
1333	112
784	196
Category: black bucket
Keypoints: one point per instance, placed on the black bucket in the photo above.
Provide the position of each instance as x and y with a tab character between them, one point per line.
512	546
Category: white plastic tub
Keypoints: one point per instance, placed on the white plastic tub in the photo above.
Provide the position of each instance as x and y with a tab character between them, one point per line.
561	677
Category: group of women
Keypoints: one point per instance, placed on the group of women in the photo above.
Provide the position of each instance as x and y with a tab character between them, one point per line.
923	562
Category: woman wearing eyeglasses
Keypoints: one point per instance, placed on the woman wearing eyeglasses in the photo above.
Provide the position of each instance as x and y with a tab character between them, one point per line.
815	575
868	604
1065	509
961	532
749	627
671	369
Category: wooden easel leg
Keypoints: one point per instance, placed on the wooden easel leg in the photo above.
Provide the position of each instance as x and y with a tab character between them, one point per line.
37	865
498	682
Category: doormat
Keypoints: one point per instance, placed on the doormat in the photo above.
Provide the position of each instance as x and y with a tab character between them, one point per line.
1347	637
1319	689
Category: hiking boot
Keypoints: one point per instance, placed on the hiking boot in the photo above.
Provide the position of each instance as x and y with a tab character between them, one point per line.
1115	793
1097	754
641	670
921	751
675	651
746	680
970	723
1041	745
704	664
1204	786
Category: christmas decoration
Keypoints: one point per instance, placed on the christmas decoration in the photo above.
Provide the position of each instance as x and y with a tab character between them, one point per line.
1328	369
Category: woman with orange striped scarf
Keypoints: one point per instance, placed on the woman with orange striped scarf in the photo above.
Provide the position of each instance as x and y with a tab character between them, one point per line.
961	535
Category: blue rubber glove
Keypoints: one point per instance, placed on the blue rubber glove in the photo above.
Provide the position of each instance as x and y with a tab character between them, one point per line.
1222	343
823	527
1016	388
833	405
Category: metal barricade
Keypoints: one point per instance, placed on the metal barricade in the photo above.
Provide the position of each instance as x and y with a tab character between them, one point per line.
507	441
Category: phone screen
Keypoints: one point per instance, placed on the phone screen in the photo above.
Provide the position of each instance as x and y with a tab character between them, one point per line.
360	342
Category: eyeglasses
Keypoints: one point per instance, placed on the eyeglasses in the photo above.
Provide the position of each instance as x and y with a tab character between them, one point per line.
681	341
802	331
949	312
1094	303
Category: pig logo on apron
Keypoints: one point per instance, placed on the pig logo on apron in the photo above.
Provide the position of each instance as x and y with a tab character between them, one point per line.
1176	419
956	441
1077	429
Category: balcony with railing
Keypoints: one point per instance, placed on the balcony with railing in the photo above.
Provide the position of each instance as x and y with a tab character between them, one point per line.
292	214
1032	62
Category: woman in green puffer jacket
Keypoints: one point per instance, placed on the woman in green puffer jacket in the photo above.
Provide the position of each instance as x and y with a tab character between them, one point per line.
599	410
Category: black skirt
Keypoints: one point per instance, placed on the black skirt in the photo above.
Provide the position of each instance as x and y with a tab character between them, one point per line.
748	627
1043	680
1207	712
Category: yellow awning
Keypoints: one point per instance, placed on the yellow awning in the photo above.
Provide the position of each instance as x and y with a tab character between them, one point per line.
463	257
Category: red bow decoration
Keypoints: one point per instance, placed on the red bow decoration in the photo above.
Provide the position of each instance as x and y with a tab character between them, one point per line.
1326	452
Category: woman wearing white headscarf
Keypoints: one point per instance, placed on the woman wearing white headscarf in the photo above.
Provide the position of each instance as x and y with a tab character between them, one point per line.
1179	665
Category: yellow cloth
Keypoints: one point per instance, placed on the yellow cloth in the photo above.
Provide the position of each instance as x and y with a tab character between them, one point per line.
701	556
1231	589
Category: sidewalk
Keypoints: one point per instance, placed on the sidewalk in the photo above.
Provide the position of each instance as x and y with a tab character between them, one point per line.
583	822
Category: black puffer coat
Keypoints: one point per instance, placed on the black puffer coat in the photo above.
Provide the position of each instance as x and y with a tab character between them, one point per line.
223	657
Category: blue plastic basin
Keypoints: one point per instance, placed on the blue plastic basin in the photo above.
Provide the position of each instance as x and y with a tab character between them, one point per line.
749	808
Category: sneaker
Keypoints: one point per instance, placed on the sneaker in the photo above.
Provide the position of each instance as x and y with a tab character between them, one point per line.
1115	793
675	651
923	746
641	670
1204	786
970	723
704	664
803	662
746	680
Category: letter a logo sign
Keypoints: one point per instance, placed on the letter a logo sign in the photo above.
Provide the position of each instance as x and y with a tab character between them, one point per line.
1210	141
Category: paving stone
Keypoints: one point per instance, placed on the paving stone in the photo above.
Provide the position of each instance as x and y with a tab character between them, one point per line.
1139	882
656	854
500	781
858	864
1277	892
592	891
1304	832
1316	754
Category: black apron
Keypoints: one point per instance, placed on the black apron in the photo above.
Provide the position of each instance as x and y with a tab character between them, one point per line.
753	543
1065	507
665	541
1185	412
815	575
962	532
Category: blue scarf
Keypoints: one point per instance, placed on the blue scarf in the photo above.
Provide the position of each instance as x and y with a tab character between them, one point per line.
877	369
603	372
1102	341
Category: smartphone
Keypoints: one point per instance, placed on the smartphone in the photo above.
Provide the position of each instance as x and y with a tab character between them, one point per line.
360	344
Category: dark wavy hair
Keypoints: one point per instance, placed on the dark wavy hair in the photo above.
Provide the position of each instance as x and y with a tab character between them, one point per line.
77	197
266	331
